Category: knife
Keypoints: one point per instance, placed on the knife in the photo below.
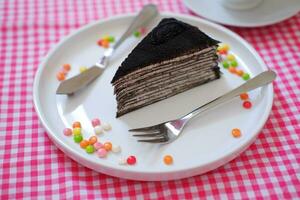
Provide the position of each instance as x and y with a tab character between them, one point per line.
71	85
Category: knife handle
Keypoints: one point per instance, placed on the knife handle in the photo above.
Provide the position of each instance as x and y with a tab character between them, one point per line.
141	20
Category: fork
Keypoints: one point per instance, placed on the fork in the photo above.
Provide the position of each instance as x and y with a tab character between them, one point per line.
169	131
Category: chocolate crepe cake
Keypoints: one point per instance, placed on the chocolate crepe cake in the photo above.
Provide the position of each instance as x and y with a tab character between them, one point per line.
172	58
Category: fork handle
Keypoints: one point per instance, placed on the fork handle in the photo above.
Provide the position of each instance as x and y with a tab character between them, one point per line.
260	80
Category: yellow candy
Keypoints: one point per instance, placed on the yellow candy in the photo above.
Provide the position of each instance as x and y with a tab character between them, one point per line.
105	37
77	131
230	57
225	47
82	69
220	48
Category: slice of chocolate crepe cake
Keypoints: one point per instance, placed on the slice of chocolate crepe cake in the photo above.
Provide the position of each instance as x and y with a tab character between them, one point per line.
172	58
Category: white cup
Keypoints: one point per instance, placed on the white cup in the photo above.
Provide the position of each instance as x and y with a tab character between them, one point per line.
240	4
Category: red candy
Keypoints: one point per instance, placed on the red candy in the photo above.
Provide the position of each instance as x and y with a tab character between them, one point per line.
131	160
247	104
96	122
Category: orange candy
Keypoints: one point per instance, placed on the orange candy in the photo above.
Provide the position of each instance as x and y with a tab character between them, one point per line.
93	140
239	72
244	96
168	160
105	43
107	146
232	70
76	125
84	143
222	51
60	76
236	132
67	67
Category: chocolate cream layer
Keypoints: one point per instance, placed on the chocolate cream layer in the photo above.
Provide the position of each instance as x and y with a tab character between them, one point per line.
169	70
138	74
162	80
169	87
166	78
162	94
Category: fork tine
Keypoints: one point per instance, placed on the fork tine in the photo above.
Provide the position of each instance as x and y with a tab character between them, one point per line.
148	134
149	128
155	140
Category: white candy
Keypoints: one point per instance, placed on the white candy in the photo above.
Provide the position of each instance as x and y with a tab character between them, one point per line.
122	161
106	126
116	149
98	130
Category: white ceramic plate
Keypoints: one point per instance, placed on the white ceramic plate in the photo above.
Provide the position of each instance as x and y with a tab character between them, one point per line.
266	13
206	143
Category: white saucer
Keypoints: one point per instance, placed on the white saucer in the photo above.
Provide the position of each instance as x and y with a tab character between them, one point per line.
206	142
266	13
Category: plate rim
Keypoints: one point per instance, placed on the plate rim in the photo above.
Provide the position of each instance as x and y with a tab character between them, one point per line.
243	25
131	173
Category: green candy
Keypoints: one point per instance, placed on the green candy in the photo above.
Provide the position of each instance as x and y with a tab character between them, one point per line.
77	138
89	149
234	63
225	64
137	34
246	76
111	38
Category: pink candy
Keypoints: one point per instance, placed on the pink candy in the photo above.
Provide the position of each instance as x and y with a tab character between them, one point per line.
96	122
101	152
98	145
67	131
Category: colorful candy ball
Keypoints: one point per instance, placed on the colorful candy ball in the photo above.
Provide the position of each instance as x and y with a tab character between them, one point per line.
234	63
96	122
131	160
60	76
116	149
246	76
77	138
168	160
236	132
106	126
101	153
232	70
244	96
89	149
137	34
93	140
107	146
111	38
84	144
67	67
82	69
225	64
67	131
230	57
98	145
76	131
98	130
76	125
247	104
105	43
239	72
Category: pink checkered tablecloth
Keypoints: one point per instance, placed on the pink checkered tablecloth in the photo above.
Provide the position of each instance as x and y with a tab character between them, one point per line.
32	167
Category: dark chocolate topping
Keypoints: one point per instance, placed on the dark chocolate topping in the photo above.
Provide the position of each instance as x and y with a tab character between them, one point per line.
169	39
